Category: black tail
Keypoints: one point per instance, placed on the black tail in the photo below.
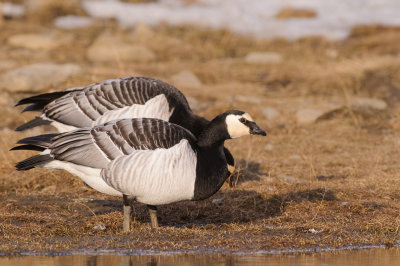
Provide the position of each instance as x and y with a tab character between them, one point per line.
33	161
38	121
38	102
39	143
27	147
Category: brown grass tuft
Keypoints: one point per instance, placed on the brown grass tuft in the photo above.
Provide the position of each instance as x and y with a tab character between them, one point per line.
290	12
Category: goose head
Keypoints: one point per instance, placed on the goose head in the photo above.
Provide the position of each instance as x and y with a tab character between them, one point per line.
239	123
229	125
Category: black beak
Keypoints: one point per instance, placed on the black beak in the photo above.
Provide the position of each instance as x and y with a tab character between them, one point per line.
256	130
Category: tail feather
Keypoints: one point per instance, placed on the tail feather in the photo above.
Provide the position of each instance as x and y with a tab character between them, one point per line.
33	161
38	102
38	121
27	147
42	141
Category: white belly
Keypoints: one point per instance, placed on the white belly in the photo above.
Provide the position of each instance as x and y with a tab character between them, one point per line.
155	177
89	175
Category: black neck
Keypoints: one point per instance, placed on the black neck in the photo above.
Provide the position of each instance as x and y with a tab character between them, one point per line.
185	118
211	172
214	134
211	169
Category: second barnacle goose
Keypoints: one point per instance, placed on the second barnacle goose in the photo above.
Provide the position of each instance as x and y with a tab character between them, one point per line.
151	160
131	97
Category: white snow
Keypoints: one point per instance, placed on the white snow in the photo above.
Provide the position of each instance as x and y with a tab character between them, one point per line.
11	10
73	22
334	18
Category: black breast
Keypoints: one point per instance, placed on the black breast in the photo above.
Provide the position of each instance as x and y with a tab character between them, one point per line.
211	172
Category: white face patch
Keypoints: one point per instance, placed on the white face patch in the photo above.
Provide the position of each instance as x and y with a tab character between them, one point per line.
248	117
236	128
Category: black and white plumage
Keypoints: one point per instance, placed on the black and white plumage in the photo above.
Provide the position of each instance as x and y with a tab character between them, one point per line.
151	160
131	97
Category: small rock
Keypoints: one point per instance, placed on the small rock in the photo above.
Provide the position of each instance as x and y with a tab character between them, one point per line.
37	77
49	189
33	41
99	227
361	103
10	10
270	113
308	116
313	231
263	58
269	147
344	203
186	79
73	22
109	48
217	201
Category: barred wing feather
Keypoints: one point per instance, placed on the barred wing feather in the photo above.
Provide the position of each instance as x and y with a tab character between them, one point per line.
115	99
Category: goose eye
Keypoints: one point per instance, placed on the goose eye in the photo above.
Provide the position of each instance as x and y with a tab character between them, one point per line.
242	120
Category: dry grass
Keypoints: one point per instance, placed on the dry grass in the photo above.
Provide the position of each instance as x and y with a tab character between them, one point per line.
290	12
329	184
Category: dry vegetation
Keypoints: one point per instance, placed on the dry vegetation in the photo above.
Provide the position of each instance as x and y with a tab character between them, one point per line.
331	183
289	12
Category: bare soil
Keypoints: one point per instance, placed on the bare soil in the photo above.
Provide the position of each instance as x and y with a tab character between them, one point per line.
331	183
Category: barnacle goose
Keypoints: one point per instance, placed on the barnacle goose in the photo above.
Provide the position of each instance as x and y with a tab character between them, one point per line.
131	97
151	160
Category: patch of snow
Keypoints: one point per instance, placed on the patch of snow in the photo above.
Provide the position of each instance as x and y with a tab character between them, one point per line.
73	22
253	17
11	10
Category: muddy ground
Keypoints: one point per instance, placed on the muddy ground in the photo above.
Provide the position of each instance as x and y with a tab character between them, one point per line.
329	181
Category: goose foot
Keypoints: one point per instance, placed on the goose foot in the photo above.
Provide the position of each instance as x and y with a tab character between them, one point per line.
127	214
153	216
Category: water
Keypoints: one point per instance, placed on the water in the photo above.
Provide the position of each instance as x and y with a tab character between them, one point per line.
370	257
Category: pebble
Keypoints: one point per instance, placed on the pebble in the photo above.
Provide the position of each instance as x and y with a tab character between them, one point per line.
37	77
313	231
99	227
217	201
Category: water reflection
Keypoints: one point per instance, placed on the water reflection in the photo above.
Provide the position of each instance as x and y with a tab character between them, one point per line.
371	257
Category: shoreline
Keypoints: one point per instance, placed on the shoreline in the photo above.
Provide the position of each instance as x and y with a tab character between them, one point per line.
130	252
